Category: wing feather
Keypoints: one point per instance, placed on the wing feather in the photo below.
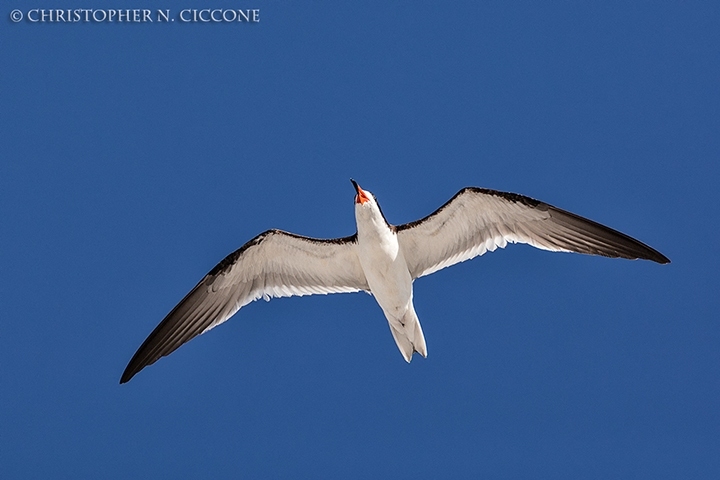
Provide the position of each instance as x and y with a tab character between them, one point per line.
273	264
478	220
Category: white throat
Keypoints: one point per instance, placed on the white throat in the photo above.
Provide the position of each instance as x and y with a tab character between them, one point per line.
370	221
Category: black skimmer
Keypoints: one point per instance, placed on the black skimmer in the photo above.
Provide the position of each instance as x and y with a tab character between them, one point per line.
380	259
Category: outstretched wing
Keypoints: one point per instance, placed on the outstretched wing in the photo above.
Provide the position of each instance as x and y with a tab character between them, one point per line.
273	264
477	220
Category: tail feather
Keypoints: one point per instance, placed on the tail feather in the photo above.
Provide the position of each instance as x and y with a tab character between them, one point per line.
408	334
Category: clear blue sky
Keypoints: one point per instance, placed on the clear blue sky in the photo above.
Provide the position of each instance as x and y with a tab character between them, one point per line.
134	157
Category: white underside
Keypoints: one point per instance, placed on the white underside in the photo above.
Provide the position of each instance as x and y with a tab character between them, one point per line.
388	277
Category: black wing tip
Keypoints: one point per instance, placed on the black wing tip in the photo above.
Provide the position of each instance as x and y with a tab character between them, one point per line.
658	258
607	241
131	370
126	376
633	249
647	253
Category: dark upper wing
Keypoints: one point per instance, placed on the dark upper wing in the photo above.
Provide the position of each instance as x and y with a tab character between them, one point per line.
476	220
273	264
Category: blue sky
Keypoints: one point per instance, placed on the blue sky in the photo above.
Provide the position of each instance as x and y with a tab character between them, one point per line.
134	157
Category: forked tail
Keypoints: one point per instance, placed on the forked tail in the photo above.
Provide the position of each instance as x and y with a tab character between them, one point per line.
408	334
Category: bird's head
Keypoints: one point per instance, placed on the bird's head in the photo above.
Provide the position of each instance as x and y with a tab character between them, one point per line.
367	208
362	197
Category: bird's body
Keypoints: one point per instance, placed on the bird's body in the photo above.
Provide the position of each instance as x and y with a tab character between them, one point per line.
387	274
380	259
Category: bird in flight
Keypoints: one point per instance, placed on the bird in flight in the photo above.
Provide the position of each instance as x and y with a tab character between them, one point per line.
380	259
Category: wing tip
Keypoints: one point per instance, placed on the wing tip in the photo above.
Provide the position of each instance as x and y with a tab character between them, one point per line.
126	377
130	371
658	258
646	252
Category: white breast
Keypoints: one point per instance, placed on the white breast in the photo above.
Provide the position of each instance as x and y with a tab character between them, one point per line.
383	262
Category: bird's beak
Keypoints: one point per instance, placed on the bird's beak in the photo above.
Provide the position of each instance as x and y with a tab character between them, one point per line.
361	196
